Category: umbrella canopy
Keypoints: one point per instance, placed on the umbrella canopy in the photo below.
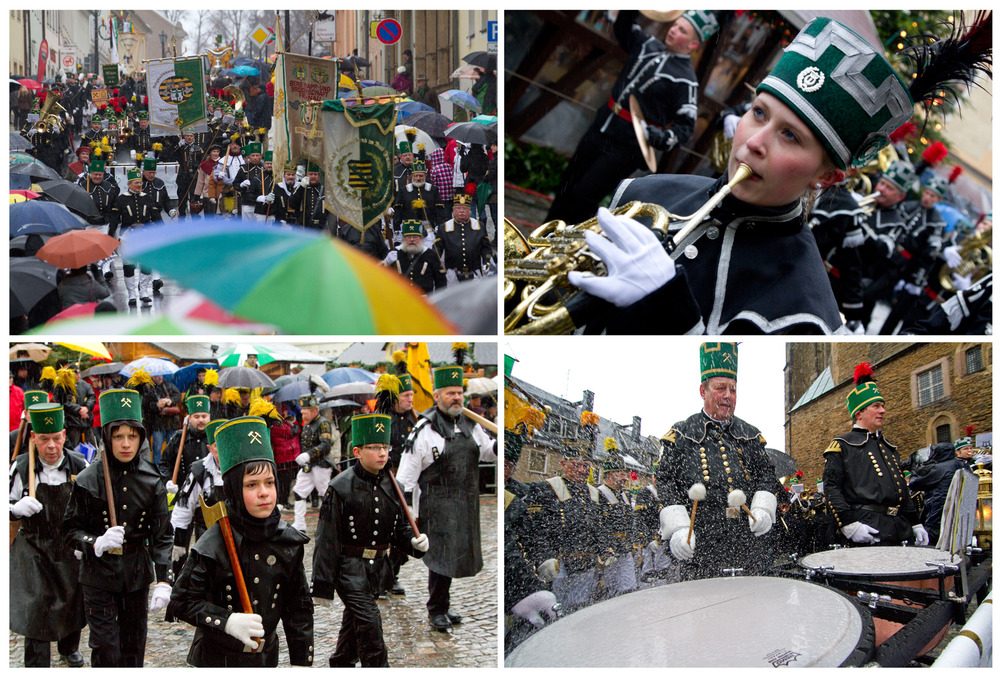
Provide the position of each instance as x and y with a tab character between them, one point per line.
363	388
124	324
77	248
17	157
35	169
153	366
375	83
30	280
72	196
30	84
75	311
337	290
471	133
191	305
346	375
106	368
466	71
481	59
245	70
27	245
95	348
36	352
298	389
286	379
422	138
331	402
431	122
243	377
481	386
408	108
783	464
375	91
23	193
40	212
186	376
460	98
485	119
237	355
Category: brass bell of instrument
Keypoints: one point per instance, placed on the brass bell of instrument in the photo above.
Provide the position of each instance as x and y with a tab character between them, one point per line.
977	259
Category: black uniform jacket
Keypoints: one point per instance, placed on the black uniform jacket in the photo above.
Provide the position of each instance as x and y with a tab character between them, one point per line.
206	594
360	510
757	270
141	506
195	448
561	520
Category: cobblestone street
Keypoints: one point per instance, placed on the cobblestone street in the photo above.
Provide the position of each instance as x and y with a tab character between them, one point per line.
411	640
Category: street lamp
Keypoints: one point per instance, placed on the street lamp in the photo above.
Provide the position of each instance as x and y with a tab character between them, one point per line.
163	44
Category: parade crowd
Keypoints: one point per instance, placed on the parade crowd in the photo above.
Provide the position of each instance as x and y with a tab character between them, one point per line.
133	499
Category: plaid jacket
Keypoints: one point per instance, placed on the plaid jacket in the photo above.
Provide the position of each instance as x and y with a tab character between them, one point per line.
440	174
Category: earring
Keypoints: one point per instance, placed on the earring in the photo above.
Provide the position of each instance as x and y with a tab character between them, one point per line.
817	185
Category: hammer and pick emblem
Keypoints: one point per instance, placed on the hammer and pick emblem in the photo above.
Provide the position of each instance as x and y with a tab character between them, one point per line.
126	401
254	437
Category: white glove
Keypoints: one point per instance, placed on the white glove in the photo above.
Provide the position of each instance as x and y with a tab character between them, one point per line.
234	212
645	129
302	183
322	602
548	570
172	214
762	507
260	198
961	282
915	290
26	507
181	143
680	547
81	175
763	524
177	553
860	533
269	198
532	607
390	258
112	539
78	554
302	459
421	543
952	256
852	239
923	539
171	487
161	596
244	627
729	124
656	546
899	285
636	261
609	559
132	153
245	183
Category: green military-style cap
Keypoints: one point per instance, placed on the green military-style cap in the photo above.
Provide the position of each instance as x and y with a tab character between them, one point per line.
252	147
198	403
35	397
133	173
46	418
211	428
405	383
268	156
704	22
149	164
901	174
843	89
370	429
121	404
718	359
865	391
937	184
613	462
418	165
96	165
308	401
963	442
142	115
413	227
312	167
448	376
404	146
243	439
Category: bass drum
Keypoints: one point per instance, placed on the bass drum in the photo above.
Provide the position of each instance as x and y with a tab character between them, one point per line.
726	622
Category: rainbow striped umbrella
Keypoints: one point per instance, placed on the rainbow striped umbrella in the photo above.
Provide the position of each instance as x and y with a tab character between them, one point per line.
299	280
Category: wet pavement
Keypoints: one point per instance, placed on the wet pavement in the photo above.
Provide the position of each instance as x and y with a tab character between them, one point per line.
411	640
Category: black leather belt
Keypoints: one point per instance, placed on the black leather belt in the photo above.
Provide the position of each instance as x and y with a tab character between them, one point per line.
376	551
879	508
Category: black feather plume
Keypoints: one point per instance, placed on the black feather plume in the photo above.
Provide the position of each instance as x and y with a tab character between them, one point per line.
943	64
386	393
459	350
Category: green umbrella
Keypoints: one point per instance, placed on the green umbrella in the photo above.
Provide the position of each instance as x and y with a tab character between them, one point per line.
237	355
124	324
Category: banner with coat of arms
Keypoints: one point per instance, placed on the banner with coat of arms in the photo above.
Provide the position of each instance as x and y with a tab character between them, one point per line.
176	96
296	132
357	160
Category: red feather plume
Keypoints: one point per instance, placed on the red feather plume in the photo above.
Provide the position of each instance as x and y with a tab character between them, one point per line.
956	172
969	430
861	371
904	131
935	153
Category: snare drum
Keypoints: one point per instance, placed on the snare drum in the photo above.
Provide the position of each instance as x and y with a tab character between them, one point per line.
901	567
732	621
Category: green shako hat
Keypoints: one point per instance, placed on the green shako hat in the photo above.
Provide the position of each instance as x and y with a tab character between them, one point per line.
405	383
413	227
936	183
963	442
448	376
312	167
198	403
370	429
149	164
211	428
718	359
243	439
121	404
308	401
704	22
865	391
142	115
843	89
252	147
418	165
35	398
405	146
901	174
46	418
96	165
133	173
268	156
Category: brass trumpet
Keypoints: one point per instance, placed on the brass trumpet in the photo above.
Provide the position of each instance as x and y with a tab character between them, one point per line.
537	284
977	259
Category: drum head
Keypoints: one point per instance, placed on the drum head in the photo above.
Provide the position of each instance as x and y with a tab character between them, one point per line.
880	563
727	622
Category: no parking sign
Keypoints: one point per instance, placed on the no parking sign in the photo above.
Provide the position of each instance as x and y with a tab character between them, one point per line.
388	31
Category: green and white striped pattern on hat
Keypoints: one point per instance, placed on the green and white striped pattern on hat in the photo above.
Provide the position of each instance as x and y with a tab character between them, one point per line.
843	89
937	184
901	174
704	22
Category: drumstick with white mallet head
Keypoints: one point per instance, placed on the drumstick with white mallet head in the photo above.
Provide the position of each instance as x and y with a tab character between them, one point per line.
737	500
696	493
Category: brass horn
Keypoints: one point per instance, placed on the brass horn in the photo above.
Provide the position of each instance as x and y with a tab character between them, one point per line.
536	286
237	94
977	259
47	120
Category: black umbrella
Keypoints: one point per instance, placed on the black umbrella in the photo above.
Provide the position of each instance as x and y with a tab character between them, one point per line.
72	196
298	389
481	59
30	280
19	143
243	377
105	368
471	133
783	464
34	169
27	245
431	122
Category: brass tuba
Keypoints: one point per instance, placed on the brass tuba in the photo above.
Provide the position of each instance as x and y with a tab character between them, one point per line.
536	286
47	120
237	94
977	259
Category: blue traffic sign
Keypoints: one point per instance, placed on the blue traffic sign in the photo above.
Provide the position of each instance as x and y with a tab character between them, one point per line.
388	31
492	32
